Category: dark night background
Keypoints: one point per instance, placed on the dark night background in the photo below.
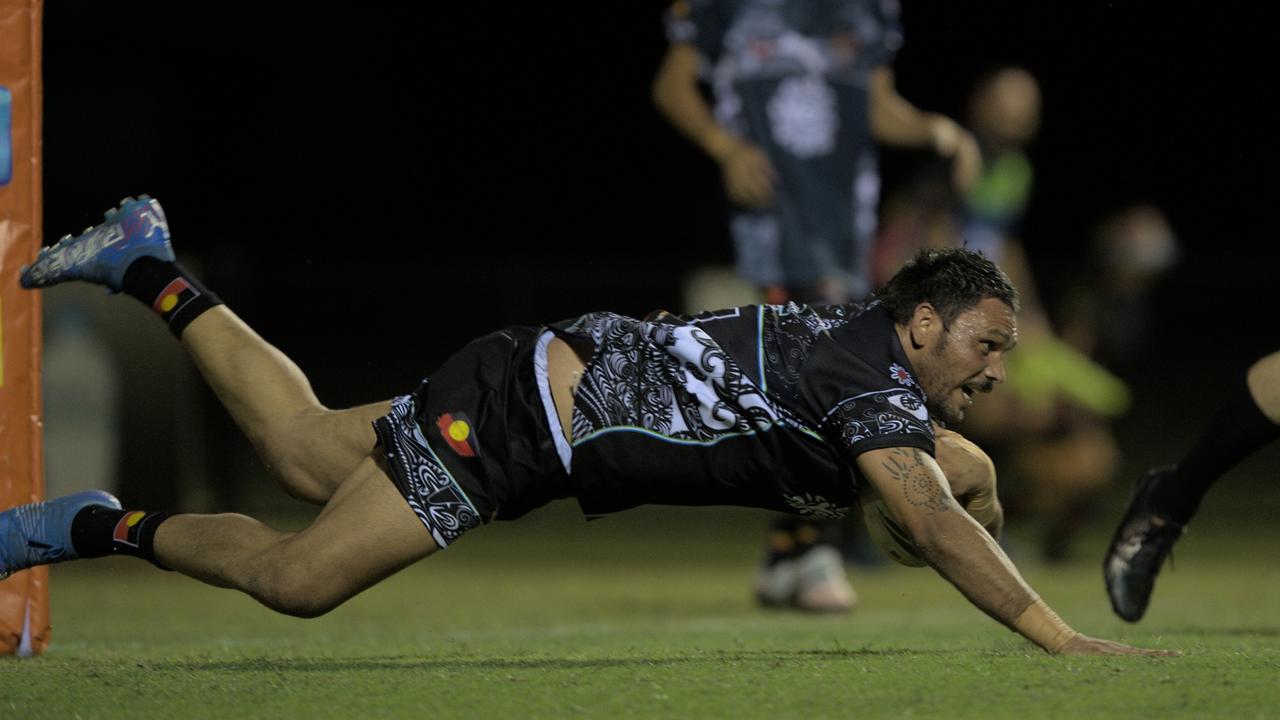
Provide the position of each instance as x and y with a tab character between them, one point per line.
372	187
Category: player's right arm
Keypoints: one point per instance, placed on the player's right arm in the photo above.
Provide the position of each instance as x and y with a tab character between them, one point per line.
953	543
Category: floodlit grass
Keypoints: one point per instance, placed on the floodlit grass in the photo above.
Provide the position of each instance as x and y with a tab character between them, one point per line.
648	615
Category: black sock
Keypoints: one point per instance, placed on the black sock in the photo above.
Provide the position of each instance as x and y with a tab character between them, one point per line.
97	531
790	537
173	293
1236	432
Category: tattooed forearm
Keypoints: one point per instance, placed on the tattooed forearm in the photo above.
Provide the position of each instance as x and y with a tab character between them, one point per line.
920	487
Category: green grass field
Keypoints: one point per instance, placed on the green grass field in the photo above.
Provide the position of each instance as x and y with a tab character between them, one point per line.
648	615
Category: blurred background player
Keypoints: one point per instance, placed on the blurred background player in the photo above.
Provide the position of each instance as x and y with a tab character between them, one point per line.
1051	427
1103	322
1107	311
1004	115
1165	500
802	93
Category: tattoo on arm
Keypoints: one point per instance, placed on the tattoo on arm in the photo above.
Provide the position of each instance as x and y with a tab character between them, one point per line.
919	486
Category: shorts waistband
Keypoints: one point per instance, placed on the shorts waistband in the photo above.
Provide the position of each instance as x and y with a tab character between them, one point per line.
540	375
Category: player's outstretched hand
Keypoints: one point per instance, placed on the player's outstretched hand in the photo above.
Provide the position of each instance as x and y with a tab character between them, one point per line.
1085	645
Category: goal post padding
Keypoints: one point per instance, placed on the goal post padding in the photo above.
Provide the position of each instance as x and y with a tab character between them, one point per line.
24	596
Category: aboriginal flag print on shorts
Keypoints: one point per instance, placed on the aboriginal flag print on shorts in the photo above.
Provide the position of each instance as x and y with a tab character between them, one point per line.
458	432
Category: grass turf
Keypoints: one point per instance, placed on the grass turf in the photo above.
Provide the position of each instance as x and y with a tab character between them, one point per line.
648	614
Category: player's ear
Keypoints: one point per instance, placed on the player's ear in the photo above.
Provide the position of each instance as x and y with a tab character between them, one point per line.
925	325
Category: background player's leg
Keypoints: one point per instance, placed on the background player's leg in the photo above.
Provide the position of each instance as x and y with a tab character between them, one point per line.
364	534
1165	500
311	448
1264	386
1248	419
803	568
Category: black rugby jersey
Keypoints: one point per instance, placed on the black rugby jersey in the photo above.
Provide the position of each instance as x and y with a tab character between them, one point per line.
792	76
763	405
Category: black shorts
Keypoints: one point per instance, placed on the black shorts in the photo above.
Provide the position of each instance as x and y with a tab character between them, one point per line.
473	444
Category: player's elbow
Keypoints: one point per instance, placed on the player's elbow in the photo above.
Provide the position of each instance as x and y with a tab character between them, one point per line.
929	543
675	79
931	532
664	93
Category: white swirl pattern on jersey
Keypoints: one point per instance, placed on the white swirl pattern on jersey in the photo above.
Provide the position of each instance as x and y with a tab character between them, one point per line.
673	380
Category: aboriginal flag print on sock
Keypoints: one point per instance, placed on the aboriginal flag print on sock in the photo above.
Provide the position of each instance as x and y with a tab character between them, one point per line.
174	297
128	527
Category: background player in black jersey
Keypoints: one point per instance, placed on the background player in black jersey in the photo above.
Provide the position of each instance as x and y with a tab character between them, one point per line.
405	486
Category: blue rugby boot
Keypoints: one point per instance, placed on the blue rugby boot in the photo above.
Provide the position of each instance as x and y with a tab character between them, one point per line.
40	533
102	253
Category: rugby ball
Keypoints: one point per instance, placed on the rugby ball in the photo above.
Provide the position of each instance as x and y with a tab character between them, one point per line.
885	531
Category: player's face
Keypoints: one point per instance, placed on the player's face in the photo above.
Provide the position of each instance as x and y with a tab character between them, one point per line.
967	358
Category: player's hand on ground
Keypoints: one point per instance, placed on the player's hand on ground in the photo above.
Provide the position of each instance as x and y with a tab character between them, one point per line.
748	175
1085	645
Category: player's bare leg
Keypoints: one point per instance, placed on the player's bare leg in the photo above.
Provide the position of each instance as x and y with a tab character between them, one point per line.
364	534
311	448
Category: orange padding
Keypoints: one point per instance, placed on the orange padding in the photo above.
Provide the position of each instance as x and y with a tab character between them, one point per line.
24	597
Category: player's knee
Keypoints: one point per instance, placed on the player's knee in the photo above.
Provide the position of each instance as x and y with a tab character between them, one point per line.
300	483
297	601
296	589
294	466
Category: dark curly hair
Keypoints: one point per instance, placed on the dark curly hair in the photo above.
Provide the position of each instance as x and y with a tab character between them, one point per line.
953	280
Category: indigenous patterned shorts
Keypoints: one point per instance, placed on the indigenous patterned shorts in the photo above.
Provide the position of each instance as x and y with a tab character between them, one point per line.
432	493
473	443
